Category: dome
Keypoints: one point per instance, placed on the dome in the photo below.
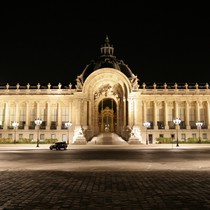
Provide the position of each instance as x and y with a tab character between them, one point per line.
105	60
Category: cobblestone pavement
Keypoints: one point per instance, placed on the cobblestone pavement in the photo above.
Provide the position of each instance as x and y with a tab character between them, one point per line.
169	184
55	190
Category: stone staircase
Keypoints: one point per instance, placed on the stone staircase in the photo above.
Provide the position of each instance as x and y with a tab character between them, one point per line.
107	138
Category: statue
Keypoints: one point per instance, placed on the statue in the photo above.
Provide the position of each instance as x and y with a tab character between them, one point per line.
79	81
59	85
134	82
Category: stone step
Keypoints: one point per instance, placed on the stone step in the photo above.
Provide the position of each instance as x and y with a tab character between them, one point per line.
107	138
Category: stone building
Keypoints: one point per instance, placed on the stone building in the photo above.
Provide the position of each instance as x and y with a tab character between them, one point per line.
107	99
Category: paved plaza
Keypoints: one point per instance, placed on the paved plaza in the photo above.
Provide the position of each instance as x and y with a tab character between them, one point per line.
96	177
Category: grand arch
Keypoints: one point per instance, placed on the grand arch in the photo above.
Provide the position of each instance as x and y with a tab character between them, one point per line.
107	92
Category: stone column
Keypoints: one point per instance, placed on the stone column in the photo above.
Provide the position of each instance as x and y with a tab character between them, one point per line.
208	114
90	113
166	115
144	112
59	116
197	111
155	115
124	112
17	112
139	120
85	112
130	113
134	111
27	116
48	116
6	119
82	111
37	110
187	115
176	109
70	112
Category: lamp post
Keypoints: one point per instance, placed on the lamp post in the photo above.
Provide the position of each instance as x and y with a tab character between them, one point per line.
199	125
177	121
147	125
38	122
15	125
67	125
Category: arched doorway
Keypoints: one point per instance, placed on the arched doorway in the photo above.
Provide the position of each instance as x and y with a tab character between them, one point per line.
107	118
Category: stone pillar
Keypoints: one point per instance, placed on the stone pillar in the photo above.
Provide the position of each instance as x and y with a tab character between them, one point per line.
208	114
90	113
155	115
6	119
176	109
48	116
16	112
58	116
187	115
27	116
144	112
85	112
124	112
166	115
197	111
37	110
134	111
77	112
82	111
129	112
70	112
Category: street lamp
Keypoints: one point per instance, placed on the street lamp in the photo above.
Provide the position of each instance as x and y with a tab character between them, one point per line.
67	125
177	121
15	125
147	125
199	125
38	122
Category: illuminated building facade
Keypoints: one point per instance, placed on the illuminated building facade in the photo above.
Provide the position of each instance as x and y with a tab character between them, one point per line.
107	98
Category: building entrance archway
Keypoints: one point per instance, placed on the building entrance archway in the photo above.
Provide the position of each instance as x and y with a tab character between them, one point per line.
107	118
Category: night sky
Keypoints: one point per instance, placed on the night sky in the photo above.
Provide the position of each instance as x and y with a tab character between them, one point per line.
54	42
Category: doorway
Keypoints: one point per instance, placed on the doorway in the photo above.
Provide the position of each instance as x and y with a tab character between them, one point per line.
107	118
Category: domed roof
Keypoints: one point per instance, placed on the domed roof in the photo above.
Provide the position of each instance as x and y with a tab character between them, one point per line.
105	60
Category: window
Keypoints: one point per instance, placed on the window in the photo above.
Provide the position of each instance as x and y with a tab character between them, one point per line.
150	114
65	114
192	114
194	135
183	136
22	114
170	114
42	136
182	113
160	125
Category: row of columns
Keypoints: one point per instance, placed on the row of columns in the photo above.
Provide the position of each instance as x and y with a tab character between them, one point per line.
77	112
135	107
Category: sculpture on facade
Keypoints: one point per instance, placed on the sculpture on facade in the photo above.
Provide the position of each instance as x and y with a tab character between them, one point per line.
79	81
134	82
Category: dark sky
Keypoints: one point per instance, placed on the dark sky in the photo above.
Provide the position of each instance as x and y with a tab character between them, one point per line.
54	42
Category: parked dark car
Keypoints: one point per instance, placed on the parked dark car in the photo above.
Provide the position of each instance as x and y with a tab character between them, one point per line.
59	145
